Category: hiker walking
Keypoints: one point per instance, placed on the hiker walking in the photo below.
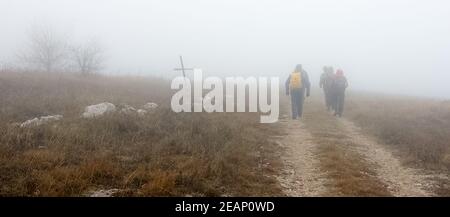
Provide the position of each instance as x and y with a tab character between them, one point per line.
326	81
296	85
338	88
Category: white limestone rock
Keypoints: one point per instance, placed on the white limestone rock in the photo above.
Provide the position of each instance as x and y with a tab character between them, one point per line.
127	109
40	121
98	110
141	112
150	106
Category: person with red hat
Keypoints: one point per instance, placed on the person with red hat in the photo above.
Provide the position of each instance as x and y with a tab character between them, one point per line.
339	85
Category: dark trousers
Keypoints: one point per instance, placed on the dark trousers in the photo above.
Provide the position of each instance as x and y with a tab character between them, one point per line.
328	97
339	103
297	98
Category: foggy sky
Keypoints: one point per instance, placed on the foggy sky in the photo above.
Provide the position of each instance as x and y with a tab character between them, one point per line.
394	46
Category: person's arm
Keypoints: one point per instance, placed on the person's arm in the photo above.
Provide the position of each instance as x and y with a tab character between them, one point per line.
287	85
307	83
346	83
322	80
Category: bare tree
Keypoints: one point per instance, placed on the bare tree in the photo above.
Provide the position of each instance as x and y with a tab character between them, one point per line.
46	50
88	58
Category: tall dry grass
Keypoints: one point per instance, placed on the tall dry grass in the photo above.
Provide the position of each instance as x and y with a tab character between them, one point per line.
418	128
161	154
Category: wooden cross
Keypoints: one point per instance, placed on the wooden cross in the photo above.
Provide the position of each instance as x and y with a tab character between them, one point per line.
182	67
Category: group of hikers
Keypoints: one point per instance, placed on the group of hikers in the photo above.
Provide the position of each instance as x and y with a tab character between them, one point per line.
333	85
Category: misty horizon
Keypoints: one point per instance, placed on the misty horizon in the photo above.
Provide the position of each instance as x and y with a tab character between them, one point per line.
395	47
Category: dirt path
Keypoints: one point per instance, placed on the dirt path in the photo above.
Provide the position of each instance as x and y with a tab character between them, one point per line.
301	175
400	180
328	156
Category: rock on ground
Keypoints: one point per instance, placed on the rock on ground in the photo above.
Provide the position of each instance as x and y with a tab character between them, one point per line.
42	120
150	106
103	193
141	112
98	110
127	109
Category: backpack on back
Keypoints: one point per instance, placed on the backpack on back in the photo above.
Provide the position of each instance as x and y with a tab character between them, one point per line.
340	83
296	80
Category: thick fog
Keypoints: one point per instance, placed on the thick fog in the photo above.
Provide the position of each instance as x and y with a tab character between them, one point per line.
394	46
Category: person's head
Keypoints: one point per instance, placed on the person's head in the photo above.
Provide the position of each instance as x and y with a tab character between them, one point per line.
325	69
339	72
331	69
298	68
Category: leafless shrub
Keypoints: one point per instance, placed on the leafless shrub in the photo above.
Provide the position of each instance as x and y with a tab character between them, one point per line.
46	50
87	58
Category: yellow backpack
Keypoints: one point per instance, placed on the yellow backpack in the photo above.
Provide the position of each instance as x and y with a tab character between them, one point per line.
296	80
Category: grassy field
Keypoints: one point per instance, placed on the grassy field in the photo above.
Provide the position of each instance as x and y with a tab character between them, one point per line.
416	129
178	154
420	128
160	154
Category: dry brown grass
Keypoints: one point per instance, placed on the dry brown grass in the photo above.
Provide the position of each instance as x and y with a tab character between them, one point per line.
418	130
161	154
348	173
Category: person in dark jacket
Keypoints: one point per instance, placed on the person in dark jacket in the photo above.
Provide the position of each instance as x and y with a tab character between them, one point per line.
326	81
297	85
338	88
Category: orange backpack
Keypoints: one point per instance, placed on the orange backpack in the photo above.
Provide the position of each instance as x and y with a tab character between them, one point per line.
296	80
